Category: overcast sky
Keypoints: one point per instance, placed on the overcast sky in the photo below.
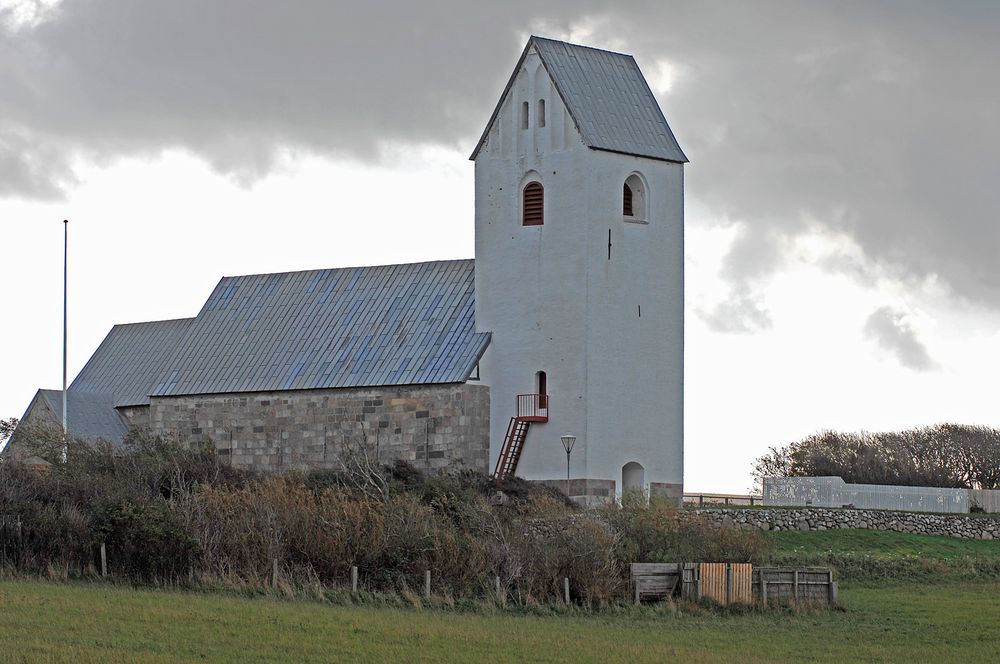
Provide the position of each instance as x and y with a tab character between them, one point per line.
842	193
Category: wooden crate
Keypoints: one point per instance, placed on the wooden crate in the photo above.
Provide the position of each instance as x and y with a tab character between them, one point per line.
731	583
655	580
811	585
726	583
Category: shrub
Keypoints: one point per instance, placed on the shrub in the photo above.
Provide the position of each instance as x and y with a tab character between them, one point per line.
166	512
944	455
661	533
146	540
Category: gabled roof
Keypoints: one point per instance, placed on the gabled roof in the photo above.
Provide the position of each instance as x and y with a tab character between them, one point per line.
88	416
129	361
607	97
350	327
121	372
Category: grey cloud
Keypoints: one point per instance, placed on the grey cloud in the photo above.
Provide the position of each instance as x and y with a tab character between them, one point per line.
756	252
888	328
742	312
32	169
238	82
869	119
754	255
872	119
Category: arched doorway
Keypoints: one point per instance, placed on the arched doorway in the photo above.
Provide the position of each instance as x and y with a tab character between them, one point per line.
633	477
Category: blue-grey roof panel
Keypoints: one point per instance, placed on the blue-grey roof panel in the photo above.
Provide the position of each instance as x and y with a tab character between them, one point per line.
89	416
347	327
607	97
130	360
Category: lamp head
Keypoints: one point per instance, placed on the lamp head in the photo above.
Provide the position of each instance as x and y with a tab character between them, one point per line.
568	440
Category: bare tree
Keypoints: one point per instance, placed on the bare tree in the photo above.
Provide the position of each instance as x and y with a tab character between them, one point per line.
946	455
361	468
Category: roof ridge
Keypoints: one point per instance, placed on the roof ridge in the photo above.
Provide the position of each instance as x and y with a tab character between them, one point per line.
612	110
154	322
345	267
584	46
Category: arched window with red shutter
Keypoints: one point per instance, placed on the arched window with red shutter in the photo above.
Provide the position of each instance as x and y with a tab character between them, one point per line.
533	205
635	201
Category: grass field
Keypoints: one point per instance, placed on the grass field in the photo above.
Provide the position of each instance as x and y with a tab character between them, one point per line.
92	623
947	619
873	557
882	544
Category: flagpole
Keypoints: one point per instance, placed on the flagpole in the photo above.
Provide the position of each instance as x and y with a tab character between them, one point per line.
65	327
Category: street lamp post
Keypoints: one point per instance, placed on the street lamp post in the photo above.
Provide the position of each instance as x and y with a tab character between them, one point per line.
568	440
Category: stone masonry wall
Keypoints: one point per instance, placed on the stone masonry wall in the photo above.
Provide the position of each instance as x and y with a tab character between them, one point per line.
672	492
964	527
591	492
135	416
431	426
586	492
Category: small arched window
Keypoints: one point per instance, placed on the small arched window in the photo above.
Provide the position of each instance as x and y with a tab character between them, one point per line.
524	115
533	205
541	113
634	199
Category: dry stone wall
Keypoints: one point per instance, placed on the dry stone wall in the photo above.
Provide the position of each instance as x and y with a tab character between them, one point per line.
964	527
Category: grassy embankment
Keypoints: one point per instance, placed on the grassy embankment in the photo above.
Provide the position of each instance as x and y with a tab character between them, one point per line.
84	623
873	557
947	616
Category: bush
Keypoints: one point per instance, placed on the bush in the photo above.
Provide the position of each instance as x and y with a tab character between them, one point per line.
167	513
145	540
661	533
945	455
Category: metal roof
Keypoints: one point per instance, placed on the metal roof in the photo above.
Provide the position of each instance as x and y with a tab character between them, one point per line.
349	327
88	416
607	97
121	372
129	361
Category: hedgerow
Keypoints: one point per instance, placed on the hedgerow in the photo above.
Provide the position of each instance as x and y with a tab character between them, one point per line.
167	513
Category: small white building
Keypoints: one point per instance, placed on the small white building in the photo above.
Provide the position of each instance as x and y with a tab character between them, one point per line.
570	321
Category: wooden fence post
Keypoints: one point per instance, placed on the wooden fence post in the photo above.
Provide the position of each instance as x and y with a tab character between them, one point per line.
566	588
274	573
729	583
104	560
763	588
354	578
795	586
498	586
427	584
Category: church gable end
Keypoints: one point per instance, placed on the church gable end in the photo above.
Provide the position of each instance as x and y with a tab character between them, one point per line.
608	105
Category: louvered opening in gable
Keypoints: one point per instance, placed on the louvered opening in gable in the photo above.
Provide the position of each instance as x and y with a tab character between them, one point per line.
635	205
533	201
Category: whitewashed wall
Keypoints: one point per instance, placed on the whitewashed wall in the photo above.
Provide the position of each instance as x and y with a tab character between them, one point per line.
834	492
555	302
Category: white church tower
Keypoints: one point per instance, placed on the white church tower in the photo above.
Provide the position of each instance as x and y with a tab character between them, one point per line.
579	275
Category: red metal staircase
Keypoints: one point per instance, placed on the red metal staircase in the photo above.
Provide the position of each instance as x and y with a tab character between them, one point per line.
513	443
530	408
